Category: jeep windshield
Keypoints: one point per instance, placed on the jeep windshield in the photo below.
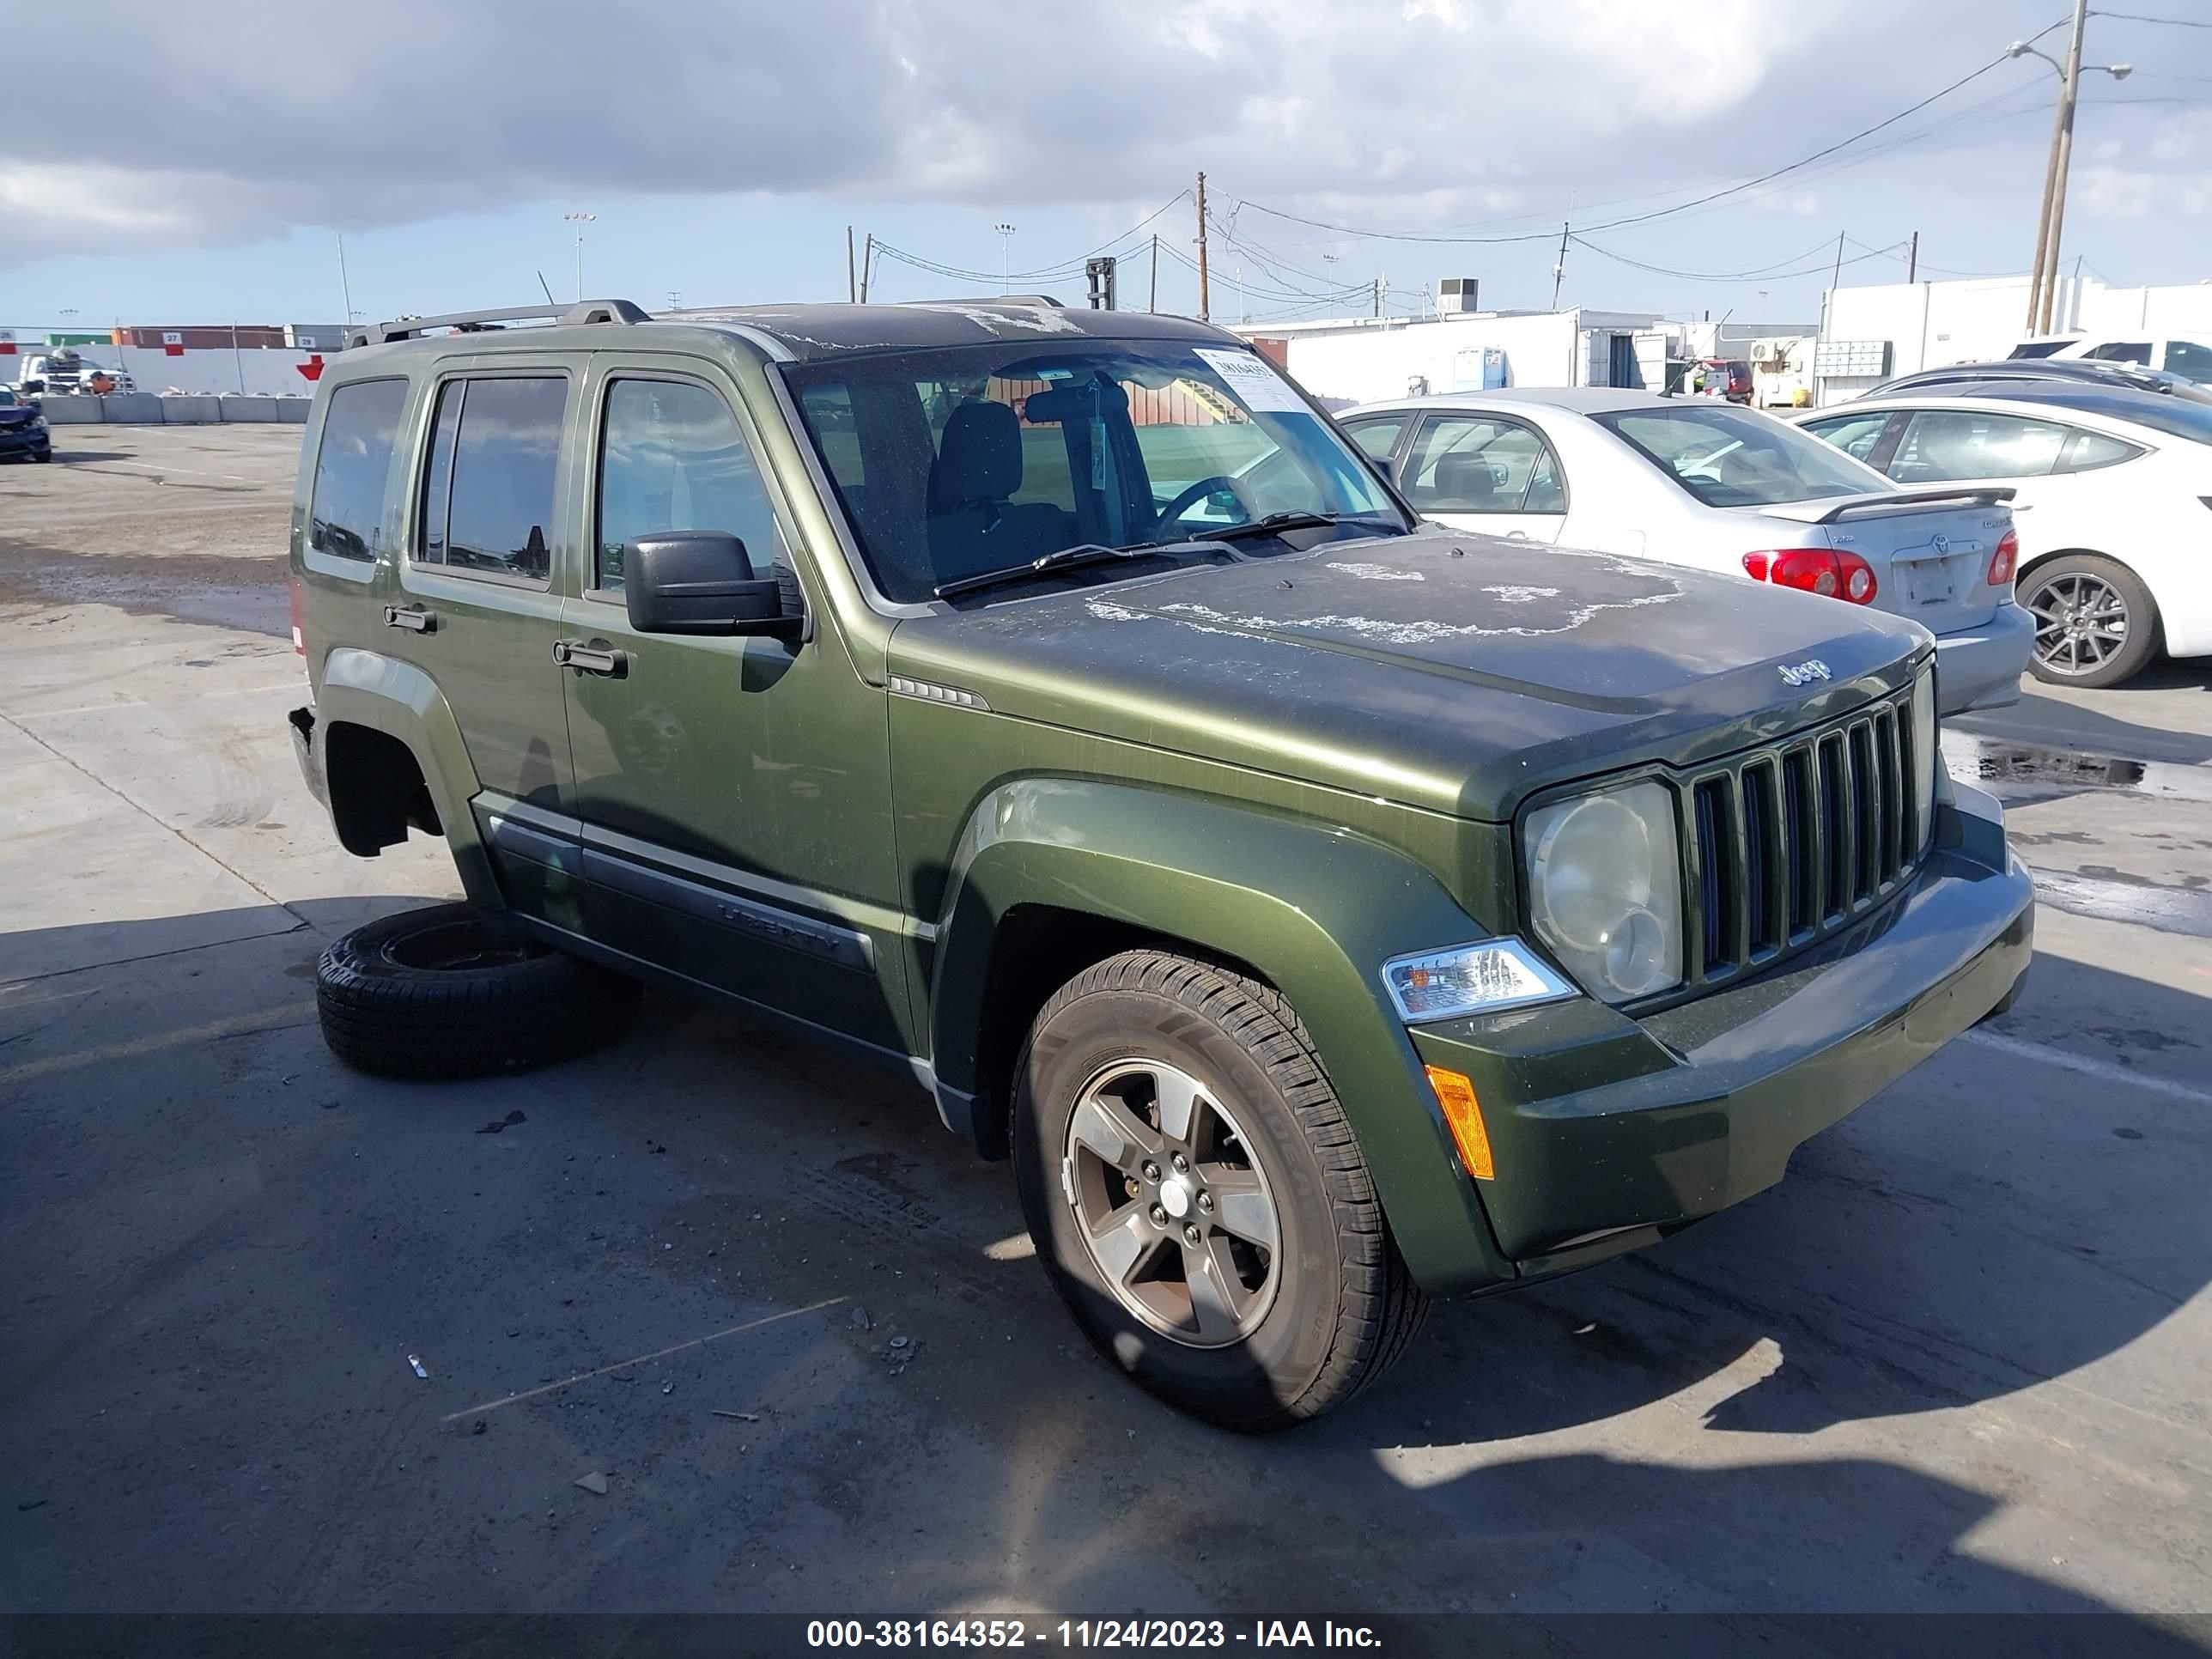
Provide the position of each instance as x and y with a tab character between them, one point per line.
981	462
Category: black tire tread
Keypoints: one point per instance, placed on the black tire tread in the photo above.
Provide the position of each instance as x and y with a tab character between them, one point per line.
432	1025
1380	1309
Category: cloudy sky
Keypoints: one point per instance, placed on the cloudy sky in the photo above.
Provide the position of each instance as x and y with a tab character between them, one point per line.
199	162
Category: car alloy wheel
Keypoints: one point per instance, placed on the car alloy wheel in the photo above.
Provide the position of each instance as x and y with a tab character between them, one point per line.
2081	624
1171	1205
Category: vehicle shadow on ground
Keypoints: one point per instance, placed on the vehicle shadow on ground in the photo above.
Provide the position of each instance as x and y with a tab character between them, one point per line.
2092	733
1982	1227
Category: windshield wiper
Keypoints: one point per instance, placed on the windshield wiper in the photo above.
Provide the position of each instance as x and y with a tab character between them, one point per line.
1065	558
1297	519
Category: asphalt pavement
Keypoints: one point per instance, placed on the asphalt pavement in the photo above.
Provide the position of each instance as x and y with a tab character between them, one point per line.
1957	1361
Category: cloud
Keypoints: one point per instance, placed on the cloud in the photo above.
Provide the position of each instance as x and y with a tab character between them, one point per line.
227	120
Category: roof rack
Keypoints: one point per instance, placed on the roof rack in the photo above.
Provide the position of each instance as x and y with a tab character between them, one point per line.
1045	299
465	322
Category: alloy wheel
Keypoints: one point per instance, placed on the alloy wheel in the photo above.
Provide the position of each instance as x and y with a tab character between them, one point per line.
2081	624
1171	1203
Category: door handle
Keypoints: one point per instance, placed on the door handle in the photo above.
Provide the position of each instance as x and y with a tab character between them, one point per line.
412	617
598	659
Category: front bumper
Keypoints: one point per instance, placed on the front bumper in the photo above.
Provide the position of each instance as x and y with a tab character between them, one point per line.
20	440
1980	667
1701	1106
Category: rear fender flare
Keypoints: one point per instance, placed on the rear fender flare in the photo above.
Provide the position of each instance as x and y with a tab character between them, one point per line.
367	688
1315	909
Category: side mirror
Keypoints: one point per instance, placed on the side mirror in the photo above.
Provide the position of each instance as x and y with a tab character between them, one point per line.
701	581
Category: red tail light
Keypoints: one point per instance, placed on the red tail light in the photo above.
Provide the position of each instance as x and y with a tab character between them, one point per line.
298	640
2005	560
1821	570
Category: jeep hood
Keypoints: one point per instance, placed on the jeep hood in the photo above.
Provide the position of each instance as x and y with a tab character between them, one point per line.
1443	671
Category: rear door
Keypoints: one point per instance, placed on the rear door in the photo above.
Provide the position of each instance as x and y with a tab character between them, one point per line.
488	549
1485	473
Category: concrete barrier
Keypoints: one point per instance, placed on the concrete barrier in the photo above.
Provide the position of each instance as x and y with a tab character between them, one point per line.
294	410
139	408
247	408
72	410
192	411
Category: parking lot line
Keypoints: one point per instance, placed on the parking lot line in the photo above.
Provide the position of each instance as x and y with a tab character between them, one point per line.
2103	1070
643	1358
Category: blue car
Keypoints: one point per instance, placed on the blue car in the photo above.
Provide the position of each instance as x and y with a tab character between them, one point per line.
23	430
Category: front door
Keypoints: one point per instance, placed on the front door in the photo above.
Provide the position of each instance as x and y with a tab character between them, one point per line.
734	793
1487	474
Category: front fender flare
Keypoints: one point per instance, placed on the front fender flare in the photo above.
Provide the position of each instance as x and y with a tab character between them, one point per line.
367	688
1315	909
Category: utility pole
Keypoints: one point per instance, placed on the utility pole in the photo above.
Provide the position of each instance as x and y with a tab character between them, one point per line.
867	264
2061	127
1152	301
852	282
344	286
1836	279
1378	295
1913	260
1559	265
1205	296
2065	161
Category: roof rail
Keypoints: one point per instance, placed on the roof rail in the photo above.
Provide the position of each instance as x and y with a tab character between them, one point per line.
584	311
1045	299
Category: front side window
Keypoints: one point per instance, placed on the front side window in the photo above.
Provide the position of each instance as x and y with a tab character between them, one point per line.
1378	434
1479	463
672	457
1943	446
1855	434
1727	457
345	514
963	460
494	461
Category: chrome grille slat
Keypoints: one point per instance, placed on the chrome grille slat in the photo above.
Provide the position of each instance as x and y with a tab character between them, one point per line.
1789	842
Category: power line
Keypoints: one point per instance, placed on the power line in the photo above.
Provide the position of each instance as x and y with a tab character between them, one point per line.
2169	22
1768	274
1656	213
1067	268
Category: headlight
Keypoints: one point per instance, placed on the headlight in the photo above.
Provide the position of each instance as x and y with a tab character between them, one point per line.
1927	758
38	423
1470	979
1605	889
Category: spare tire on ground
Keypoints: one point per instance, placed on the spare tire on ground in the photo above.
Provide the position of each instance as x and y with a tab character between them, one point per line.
442	992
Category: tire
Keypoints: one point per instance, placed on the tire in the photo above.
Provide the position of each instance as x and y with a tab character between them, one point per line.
2062	593
1303	1326
436	993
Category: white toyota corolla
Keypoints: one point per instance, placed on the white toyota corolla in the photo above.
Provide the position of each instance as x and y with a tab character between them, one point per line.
1702	482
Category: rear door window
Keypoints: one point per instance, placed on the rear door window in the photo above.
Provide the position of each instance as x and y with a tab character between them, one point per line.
1941	445
494	461
2091	450
1855	434
345	516
2124	351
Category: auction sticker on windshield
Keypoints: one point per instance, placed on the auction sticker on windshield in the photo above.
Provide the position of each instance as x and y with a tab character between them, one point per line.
1253	379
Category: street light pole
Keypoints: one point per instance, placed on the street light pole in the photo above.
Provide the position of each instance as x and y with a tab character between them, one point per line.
2043	278
1005	255
579	220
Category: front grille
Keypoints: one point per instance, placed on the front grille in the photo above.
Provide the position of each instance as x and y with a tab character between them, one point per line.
1790	842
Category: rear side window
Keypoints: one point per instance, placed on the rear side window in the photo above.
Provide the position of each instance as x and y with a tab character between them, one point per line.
2092	449
1727	457
495	457
1855	434
346	515
2124	351
672	457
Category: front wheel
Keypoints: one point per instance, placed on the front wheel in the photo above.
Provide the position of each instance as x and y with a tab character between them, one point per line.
2095	622
1198	1198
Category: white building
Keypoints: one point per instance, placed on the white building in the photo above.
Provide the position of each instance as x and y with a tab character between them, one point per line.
1899	327
1356	359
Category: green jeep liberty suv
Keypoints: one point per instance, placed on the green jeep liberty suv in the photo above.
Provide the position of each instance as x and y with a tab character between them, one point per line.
1323	910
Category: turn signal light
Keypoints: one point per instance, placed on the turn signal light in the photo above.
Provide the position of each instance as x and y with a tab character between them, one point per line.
1456	1093
2005	560
1822	570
